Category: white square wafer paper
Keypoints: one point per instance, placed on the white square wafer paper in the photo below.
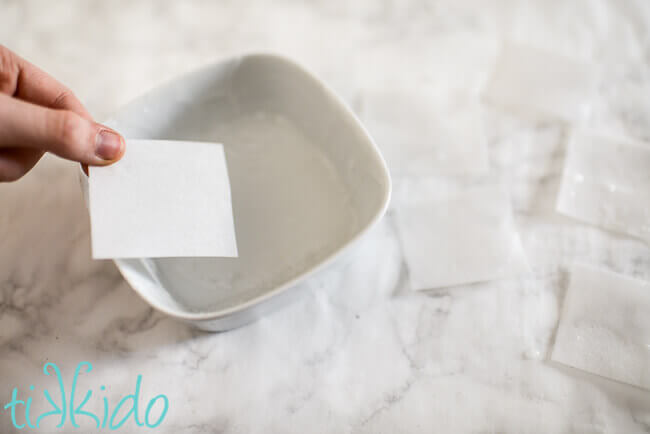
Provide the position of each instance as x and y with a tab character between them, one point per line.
162	199
605	326
606	182
536	82
462	238
421	135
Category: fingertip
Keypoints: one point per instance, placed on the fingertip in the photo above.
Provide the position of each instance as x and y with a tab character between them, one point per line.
109	146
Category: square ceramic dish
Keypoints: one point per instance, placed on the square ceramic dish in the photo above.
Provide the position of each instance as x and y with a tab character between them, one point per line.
307	181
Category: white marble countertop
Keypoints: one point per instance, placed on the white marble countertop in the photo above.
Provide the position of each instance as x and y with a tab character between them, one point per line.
359	352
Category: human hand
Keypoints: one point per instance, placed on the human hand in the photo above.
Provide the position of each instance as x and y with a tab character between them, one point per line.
38	114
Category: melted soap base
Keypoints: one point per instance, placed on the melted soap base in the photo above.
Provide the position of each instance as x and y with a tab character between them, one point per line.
291	210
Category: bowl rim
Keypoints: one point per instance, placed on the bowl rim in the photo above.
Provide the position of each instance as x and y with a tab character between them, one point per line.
271	293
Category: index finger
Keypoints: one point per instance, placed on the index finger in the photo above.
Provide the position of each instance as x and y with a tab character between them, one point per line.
38	87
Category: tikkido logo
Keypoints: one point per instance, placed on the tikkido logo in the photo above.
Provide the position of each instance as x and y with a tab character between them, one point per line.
64	407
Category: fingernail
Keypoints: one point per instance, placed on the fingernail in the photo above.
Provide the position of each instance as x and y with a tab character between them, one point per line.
108	145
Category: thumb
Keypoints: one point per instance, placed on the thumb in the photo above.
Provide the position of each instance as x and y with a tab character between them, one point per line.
61	132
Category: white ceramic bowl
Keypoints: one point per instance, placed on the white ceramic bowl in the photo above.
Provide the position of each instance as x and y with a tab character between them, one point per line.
307	181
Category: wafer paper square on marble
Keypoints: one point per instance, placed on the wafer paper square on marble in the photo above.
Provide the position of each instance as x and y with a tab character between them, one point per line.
462	238
534	81
446	64
606	182
420	134
162	199
605	326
